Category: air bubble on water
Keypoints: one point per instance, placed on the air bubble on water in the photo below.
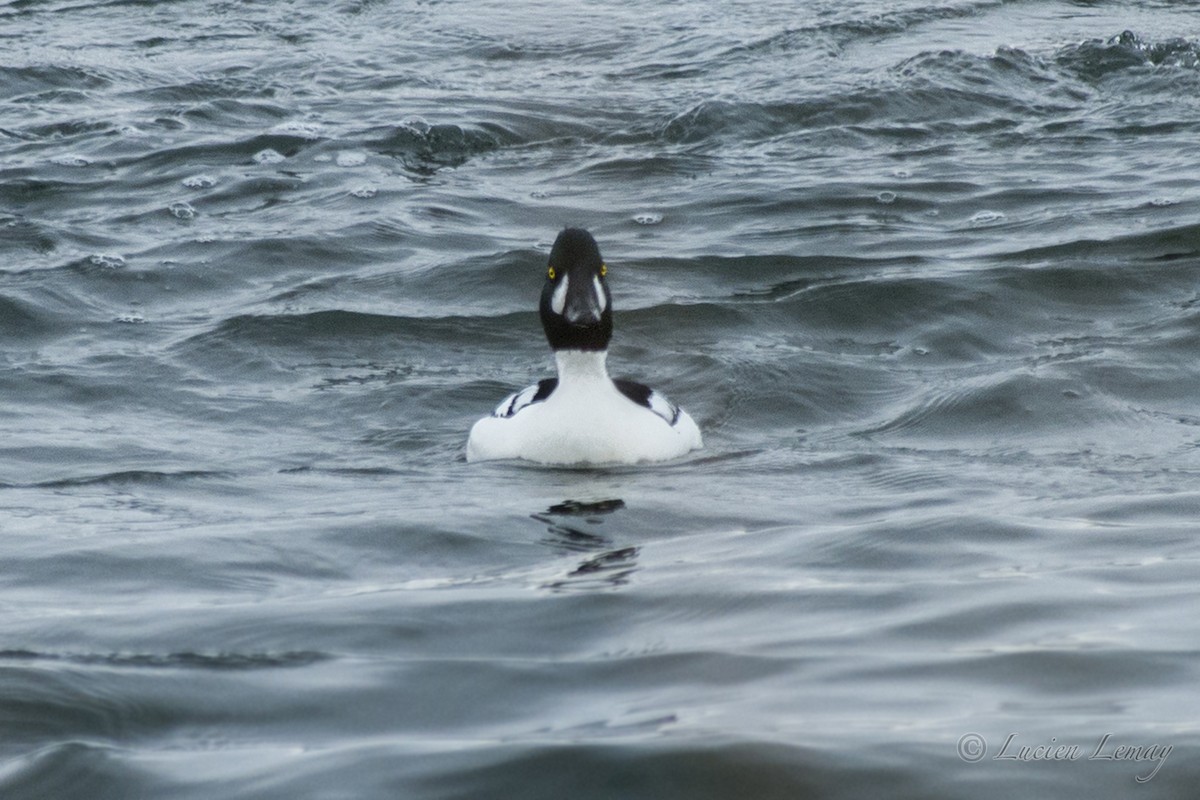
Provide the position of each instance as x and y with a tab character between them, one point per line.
107	260
648	218
132	318
416	125
364	192
902	173
182	210
982	218
351	158
269	156
199	181
886	197
305	130
71	160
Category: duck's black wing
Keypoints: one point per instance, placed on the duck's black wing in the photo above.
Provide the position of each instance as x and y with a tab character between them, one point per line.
643	395
525	398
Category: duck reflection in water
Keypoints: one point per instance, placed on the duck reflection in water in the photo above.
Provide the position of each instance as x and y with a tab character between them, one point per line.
568	530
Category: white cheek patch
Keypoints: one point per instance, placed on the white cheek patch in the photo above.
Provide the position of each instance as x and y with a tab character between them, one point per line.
558	300
601	299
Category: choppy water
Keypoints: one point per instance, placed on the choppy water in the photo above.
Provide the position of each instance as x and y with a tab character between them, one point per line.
926	273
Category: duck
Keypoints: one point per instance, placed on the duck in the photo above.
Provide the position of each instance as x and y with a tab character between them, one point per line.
583	416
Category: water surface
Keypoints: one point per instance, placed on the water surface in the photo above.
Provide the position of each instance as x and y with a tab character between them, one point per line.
926	273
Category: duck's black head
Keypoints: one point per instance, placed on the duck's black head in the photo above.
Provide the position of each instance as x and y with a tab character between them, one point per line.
576	306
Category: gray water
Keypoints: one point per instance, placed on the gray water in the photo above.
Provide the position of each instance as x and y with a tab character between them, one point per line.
927	274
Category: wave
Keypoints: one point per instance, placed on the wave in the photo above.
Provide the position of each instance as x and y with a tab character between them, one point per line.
827	37
1096	59
20	319
941	90
16	82
179	660
910	110
125	478
1171	243
426	148
222	152
295	329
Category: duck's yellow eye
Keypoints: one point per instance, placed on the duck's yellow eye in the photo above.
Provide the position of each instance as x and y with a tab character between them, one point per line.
603	270
551	273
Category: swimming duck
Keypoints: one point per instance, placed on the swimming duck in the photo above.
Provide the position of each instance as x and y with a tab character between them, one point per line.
583	416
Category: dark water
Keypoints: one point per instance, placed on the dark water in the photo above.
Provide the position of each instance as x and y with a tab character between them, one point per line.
927	275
